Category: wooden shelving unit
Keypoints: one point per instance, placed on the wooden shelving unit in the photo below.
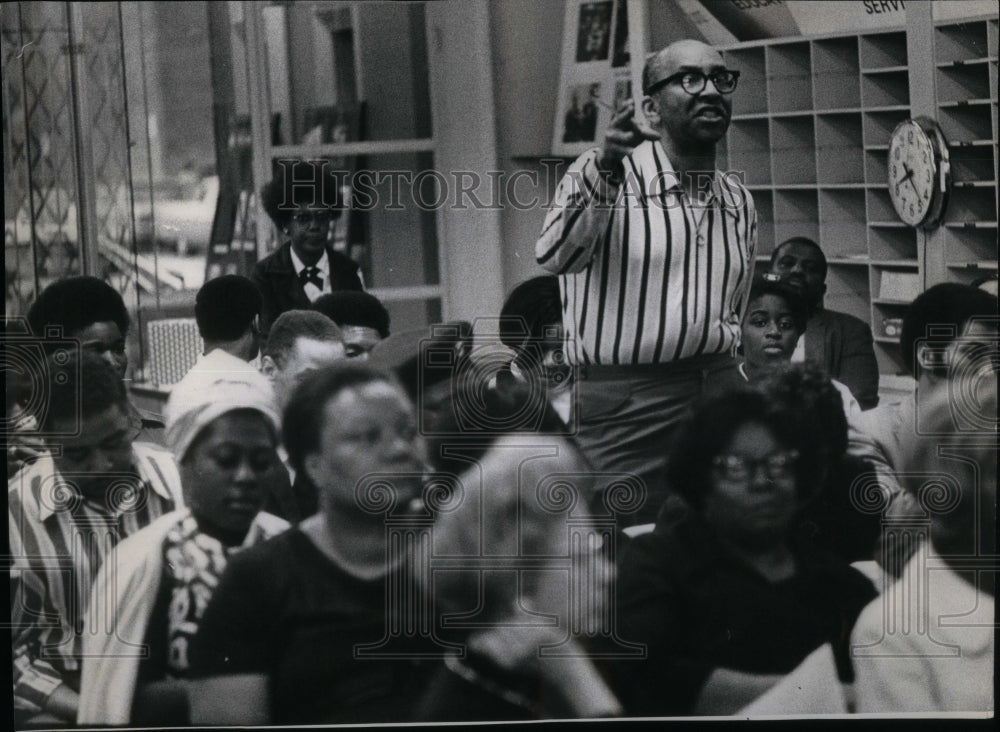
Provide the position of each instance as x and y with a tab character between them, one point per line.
965	58
810	131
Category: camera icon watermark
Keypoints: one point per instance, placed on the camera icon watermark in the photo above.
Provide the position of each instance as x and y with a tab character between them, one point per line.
968	361
458	381
32	365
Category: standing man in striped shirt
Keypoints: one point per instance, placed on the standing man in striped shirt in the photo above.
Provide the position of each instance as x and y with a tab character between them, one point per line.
66	511
654	248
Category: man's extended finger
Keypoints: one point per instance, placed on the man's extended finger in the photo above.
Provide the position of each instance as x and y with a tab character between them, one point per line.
627	103
623	117
643	130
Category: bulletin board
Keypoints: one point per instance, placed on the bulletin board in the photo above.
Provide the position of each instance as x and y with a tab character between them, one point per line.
596	73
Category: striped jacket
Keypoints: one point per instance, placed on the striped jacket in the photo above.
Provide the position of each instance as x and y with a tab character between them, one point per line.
58	541
647	275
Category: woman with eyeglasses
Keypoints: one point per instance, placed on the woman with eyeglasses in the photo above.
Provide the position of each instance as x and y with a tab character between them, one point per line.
725	601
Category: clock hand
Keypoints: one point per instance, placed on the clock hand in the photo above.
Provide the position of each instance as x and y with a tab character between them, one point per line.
908	176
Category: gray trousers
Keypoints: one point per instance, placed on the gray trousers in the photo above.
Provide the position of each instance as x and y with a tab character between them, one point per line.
625	416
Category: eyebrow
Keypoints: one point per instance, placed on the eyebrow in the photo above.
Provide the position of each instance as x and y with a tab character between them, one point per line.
784	310
806	258
98	341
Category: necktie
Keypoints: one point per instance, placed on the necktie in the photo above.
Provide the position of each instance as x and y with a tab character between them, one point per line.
311	274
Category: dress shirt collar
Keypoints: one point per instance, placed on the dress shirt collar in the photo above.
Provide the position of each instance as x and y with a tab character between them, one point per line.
721	189
55	494
323	265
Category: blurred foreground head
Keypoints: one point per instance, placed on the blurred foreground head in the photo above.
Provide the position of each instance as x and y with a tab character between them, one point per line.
953	476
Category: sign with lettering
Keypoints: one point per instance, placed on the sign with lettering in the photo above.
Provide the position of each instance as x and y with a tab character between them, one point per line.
750	20
758	19
855	15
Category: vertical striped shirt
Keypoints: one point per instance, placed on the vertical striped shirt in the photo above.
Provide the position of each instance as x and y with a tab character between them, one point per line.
647	275
58	541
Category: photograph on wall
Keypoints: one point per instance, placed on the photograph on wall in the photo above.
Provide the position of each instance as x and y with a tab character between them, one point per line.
623	91
620	56
593	32
580	120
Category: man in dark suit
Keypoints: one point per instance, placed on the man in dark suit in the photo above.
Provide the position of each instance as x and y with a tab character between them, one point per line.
840	343
303	200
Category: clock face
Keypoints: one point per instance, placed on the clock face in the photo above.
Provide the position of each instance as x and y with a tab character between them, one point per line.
912	172
912	168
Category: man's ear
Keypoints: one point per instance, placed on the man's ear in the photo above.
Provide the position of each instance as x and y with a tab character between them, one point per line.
651	111
268	367
312	467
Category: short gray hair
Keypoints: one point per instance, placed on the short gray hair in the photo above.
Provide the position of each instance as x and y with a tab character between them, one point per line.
295	324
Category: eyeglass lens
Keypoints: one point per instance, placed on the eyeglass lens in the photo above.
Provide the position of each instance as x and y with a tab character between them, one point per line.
694	82
738	467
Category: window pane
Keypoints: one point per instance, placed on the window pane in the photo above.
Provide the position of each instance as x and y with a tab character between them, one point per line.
177	183
40	191
328	57
403	195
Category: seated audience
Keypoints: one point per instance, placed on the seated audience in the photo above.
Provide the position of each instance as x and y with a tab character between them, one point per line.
832	519
927	643
774	323
938	322
301	343
840	343
223	430
303	200
361	317
227	310
95	487
502	675
291	611
531	326
723	599
91	311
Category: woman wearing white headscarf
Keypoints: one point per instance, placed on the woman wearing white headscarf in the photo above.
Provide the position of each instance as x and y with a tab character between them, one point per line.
223	428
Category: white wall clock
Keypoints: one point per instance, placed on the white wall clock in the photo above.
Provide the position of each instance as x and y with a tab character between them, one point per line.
919	172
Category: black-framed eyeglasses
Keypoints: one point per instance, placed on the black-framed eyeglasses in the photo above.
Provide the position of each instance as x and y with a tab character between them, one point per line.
694	82
777	465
